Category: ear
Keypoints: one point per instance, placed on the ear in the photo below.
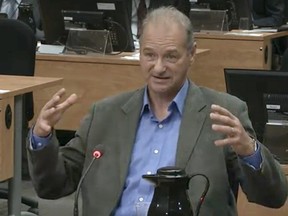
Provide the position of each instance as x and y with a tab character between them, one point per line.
193	51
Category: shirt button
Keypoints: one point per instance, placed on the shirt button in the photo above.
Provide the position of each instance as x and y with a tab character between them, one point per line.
39	144
156	151
160	125
141	199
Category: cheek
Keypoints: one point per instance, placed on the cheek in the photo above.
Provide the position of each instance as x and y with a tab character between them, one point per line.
145	68
180	70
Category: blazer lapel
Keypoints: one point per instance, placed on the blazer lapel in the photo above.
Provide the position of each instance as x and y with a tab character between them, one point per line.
129	121
196	110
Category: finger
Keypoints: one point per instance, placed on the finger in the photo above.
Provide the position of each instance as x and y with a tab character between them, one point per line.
55	99
67	103
226	141
221	110
48	113
227	130
222	119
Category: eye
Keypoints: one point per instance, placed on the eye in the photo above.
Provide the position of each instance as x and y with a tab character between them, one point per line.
149	55
171	57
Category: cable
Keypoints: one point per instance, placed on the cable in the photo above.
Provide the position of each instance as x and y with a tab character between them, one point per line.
110	21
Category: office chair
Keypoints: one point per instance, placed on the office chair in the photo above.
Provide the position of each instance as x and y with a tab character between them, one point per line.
17	57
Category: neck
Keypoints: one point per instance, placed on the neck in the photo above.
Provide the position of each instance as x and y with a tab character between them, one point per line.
159	105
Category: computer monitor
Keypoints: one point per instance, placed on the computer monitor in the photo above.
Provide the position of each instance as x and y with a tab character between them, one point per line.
115	15
266	95
236	9
118	23
73	19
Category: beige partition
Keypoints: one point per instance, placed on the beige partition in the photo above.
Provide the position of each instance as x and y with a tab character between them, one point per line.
6	138
231	50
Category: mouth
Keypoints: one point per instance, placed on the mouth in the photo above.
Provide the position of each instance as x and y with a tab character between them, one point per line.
160	78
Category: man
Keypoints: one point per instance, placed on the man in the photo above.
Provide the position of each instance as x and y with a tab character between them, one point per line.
268	13
182	5
171	121
10	7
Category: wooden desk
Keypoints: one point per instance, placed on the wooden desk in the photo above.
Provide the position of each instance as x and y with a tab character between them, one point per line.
11	95
250	209
91	78
231	51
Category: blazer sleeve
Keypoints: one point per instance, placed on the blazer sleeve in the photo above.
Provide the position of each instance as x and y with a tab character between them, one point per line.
55	171
268	185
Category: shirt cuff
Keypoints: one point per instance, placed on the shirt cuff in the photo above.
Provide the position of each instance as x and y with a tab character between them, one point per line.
254	160
37	142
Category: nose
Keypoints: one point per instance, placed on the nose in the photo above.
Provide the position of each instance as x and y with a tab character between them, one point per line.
159	65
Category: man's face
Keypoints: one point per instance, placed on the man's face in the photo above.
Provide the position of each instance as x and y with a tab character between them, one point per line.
164	58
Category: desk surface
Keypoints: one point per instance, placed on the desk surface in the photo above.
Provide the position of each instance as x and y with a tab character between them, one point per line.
103	59
240	35
16	85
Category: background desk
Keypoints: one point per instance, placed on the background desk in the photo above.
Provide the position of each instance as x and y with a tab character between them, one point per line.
11	135
231	51
91	78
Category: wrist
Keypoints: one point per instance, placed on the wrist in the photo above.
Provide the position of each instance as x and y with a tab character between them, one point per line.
252	147
40	132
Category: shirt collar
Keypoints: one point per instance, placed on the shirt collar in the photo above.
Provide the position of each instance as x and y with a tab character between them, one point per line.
178	100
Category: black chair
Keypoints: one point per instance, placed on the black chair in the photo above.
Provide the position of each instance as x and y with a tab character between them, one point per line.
17	57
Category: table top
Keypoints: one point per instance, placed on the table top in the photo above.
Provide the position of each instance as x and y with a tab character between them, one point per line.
16	85
105	59
240	35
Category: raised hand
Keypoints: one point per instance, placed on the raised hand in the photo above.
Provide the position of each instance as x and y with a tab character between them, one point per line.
236	136
52	112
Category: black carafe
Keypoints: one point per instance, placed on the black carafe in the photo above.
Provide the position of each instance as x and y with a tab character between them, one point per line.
170	195
26	15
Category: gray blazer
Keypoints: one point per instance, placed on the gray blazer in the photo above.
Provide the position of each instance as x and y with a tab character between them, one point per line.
113	122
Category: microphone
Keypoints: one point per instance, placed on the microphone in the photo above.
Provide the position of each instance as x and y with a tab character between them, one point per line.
97	154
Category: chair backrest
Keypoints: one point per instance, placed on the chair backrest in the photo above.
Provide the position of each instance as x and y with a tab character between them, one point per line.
17	54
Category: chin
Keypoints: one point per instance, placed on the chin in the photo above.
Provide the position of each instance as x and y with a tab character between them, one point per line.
160	89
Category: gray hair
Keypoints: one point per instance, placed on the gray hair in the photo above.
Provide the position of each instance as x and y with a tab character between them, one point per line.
171	15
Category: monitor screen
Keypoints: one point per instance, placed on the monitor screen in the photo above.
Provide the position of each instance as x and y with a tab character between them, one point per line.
236	9
266	95
115	15
83	19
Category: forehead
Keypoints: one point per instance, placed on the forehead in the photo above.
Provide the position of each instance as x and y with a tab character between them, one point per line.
163	34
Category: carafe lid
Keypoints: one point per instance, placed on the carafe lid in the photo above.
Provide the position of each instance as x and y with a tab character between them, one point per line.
171	171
